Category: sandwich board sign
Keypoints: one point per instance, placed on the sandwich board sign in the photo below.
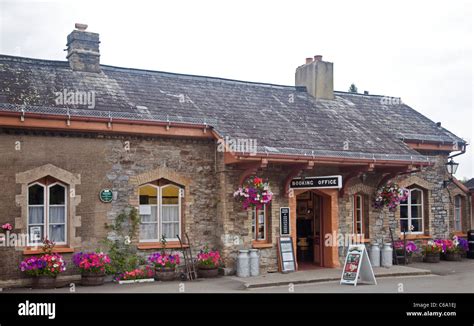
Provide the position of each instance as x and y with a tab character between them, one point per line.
357	266
286	255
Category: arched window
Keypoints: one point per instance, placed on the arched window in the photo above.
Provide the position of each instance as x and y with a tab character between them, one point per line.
160	212
47	212
411	212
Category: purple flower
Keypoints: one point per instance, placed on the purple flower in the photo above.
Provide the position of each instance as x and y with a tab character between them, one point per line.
463	244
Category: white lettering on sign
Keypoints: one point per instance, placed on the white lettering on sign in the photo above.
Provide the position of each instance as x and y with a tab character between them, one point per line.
334	181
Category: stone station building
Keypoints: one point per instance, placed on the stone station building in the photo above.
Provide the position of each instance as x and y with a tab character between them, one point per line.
69	129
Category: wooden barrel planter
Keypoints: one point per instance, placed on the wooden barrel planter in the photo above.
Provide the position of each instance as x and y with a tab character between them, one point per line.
165	273
431	258
208	271
401	260
44	282
453	256
92	279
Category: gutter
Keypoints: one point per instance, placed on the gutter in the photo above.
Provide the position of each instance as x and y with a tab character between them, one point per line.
327	159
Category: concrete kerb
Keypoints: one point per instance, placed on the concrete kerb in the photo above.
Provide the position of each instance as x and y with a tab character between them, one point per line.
305	277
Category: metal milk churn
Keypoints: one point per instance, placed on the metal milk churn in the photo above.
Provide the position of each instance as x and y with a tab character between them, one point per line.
387	255
254	262
374	254
243	264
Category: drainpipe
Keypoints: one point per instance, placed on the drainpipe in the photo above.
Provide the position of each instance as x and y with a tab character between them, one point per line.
463	150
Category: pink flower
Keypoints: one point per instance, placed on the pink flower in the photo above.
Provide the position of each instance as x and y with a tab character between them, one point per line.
7	227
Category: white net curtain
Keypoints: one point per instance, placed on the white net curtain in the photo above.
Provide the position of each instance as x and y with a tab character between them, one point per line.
159	212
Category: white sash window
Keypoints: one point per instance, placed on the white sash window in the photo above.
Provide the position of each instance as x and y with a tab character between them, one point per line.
160	212
51	202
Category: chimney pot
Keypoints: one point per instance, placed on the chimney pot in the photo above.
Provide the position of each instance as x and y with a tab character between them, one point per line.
318	58
309	60
81	27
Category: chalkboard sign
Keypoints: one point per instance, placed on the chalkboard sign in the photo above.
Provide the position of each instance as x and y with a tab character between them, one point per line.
357	265
285	221
286	254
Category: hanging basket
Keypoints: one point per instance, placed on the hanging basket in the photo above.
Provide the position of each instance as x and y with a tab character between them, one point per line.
390	195
254	193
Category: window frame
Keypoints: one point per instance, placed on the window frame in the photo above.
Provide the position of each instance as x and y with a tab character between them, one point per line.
28	224
158	195
354	214
457	209
159	207
65	211
46	205
409	215
160	221
257	224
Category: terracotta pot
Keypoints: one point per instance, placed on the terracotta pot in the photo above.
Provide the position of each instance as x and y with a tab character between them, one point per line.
208	271
92	279
165	273
44	282
431	258
453	256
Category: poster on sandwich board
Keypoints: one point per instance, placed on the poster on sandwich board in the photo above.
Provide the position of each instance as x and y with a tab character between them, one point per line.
357	267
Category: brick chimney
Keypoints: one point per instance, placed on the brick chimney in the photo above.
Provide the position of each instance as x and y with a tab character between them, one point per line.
83	50
317	76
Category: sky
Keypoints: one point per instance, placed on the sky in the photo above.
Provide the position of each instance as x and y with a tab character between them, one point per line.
419	50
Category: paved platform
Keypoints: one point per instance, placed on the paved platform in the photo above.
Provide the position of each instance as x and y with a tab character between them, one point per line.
322	275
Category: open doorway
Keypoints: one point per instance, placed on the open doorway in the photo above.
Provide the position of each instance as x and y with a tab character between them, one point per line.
309	226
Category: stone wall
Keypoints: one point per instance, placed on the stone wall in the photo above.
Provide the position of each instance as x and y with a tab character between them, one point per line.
118	163
211	216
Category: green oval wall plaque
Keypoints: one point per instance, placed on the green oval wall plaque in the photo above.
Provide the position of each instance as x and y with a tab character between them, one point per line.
106	195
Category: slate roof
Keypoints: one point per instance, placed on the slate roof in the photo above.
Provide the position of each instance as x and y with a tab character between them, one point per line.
283	119
469	184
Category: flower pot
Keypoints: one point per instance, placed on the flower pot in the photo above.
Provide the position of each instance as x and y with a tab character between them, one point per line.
165	273
92	279
453	256
431	258
44	282
401	260
208	271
